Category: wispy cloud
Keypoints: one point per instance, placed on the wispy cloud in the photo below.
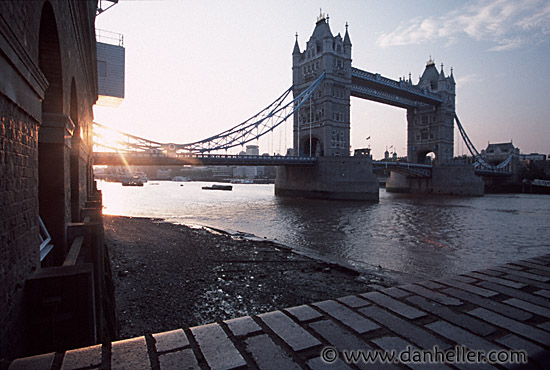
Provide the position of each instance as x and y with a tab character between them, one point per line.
468	79
507	24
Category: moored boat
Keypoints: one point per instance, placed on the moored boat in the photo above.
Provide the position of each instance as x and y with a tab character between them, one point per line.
218	187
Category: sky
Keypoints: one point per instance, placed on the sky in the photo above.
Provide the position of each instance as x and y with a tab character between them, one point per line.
197	68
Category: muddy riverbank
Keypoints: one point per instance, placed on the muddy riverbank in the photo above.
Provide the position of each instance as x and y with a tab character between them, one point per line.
169	276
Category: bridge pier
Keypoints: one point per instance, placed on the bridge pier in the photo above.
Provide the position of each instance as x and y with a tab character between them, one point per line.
449	179
335	178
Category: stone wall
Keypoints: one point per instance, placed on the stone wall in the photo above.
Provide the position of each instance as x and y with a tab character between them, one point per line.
48	64
344	178
19	238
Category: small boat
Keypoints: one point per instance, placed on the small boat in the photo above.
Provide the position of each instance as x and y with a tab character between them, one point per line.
131	181
218	187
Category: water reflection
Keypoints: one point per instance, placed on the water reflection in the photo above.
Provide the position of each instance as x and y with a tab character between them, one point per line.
423	236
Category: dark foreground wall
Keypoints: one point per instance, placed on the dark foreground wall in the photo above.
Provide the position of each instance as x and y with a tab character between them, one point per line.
47	89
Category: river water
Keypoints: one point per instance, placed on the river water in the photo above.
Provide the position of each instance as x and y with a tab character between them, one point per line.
423	236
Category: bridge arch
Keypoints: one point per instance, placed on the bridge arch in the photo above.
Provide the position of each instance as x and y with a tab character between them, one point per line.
312	147
426	156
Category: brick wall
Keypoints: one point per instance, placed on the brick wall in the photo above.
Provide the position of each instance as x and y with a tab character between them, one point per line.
19	230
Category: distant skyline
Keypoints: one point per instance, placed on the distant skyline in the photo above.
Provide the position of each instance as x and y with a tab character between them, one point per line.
194	69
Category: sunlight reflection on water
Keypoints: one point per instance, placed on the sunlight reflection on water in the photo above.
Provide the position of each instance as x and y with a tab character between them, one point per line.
424	236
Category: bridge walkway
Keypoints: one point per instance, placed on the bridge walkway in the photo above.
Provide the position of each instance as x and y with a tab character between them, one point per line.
502	308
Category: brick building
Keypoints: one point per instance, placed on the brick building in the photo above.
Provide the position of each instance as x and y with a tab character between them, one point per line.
48	85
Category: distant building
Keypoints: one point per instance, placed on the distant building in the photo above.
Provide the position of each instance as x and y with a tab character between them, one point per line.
532	157
499	153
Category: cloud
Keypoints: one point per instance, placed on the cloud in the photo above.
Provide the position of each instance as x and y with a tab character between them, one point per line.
468	79
507	24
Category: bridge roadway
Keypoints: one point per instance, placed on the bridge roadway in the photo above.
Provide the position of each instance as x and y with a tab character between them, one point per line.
502	308
373	86
155	159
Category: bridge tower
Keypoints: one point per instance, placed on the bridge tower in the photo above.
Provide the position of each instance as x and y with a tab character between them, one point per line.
430	129
322	127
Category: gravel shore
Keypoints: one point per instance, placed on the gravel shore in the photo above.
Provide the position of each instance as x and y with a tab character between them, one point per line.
171	276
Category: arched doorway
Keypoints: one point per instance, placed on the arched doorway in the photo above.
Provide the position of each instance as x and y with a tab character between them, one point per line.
427	158
311	147
51	179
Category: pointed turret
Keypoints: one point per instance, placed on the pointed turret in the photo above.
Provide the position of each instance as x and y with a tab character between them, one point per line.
347	41
296	46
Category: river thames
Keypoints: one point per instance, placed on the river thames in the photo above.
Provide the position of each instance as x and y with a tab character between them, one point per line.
423	236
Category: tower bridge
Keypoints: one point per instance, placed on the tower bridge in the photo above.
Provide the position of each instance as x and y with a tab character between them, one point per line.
320	165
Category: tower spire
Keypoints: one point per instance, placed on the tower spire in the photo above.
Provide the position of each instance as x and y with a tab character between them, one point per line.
296	49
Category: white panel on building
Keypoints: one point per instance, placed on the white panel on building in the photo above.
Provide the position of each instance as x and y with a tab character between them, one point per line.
110	68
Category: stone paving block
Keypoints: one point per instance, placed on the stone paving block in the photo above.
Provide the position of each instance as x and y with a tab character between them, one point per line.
537	262
430	284
180	360
457	318
130	354
543	293
82	357
533	308
399	345
511	284
396	292
539	269
291	333
376	287
460	336
338	336
353	301
346	316
404	328
544	326
538	354
217	348
493	305
303	313
38	362
523	274
511	266
170	340
525	282
462	279
527	331
394	305
488	272
317	363
391	344
517	294
242	326
470	288
268	355
438	297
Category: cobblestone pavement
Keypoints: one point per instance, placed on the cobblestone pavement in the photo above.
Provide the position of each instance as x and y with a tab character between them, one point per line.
498	312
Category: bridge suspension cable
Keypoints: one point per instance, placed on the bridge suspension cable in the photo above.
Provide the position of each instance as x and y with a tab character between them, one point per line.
479	161
252	129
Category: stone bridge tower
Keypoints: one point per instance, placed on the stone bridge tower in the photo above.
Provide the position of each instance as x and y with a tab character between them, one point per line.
322	127
430	129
